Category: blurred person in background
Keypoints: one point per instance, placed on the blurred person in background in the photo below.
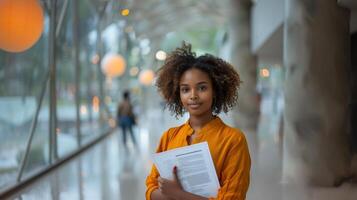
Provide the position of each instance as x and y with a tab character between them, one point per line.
126	118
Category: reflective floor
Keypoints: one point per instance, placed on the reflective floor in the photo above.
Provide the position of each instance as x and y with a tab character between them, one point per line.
108	170
111	171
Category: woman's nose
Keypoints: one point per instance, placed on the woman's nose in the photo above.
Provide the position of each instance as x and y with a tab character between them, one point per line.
193	95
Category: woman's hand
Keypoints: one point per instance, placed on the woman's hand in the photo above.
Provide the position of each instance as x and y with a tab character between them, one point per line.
170	188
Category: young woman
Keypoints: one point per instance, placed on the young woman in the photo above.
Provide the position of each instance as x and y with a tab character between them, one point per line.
203	86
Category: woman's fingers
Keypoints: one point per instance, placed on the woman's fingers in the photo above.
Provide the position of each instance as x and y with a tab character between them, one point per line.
176	178
174	171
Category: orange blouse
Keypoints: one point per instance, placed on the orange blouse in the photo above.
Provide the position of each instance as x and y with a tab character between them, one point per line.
229	152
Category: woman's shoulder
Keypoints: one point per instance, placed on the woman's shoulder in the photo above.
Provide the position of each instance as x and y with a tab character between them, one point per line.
233	133
168	137
173	131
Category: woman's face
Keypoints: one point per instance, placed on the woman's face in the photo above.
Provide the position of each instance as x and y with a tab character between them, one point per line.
196	92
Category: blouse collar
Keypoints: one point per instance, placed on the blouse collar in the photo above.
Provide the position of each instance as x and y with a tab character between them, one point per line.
213	124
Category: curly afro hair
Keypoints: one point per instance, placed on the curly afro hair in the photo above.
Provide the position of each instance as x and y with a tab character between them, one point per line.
225	79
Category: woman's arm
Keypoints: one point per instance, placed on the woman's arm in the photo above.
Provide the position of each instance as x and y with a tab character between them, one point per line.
235	173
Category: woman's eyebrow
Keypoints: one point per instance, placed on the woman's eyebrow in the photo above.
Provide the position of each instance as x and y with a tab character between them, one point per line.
202	82
199	83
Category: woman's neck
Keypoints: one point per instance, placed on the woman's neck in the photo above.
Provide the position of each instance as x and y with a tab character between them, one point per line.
197	122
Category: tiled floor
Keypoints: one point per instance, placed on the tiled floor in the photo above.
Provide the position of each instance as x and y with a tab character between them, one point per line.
110	171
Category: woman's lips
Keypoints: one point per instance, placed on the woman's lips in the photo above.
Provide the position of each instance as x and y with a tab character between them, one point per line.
194	105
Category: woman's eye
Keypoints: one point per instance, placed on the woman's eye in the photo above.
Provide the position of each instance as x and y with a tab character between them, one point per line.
202	88
184	90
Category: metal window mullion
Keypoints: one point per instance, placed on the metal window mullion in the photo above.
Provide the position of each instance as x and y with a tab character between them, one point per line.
99	73
32	129
101	13
52	64
50	146
60	20
77	68
55	120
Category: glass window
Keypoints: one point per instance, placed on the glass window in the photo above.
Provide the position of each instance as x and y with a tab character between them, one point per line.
22	76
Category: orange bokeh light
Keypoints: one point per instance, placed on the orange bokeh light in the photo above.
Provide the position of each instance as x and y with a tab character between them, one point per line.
113	65
264	73
95	104
21	24
146	77
125	12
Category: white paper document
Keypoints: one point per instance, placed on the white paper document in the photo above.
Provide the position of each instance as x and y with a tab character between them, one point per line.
194	166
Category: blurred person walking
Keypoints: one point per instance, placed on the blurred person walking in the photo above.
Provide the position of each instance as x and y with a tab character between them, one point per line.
126	118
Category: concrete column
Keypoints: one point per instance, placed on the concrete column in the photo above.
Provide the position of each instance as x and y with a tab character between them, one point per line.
247	112
316	57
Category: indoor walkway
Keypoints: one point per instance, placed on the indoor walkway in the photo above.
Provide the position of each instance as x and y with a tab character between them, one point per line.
110	171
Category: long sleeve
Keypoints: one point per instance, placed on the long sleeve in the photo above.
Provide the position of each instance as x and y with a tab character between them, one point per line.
151	180
235	174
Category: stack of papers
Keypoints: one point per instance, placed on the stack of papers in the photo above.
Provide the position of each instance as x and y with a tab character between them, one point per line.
195	168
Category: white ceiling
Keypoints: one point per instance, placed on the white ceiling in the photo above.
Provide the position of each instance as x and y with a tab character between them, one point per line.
153	19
